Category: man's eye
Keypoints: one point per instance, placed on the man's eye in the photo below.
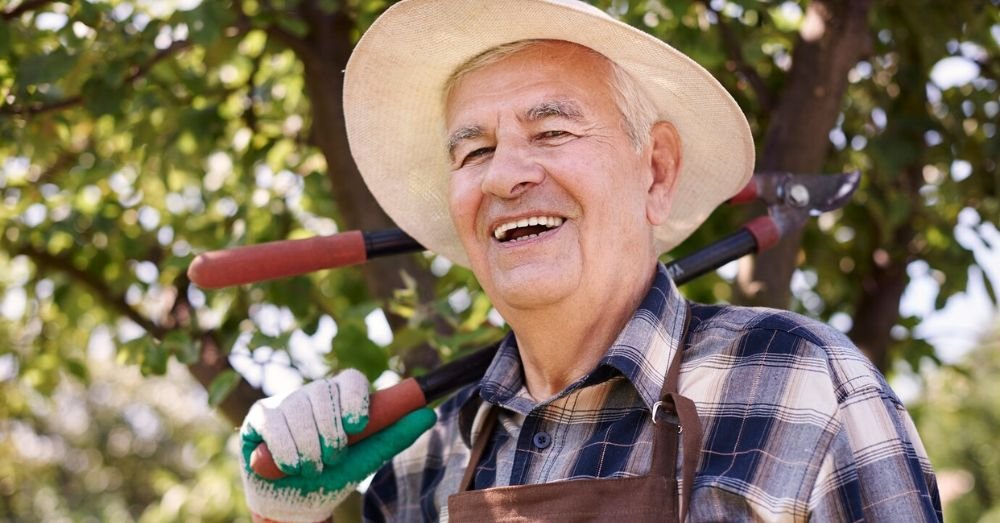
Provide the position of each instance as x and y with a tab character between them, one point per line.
478	153
552	134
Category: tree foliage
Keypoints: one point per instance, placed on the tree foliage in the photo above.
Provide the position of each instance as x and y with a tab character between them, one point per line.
134	135
963	399
123	447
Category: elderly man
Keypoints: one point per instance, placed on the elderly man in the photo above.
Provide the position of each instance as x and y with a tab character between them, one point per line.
557	153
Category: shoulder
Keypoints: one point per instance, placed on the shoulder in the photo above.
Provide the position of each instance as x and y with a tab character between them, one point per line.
796	419
782	339
738	320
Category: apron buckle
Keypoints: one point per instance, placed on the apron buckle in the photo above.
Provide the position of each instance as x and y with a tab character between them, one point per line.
672	417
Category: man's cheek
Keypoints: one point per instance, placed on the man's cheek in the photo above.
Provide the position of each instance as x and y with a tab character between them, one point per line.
463	209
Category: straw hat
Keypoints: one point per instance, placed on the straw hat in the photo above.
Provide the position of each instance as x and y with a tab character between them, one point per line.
394	108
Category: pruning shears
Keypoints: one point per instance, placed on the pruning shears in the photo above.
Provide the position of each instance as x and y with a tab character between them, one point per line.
790	198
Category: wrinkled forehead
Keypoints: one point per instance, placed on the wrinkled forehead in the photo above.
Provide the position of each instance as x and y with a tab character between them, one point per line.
550	51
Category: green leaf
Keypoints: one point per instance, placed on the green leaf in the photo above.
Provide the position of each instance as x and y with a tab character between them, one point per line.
329	6
221	386
353	349
44	68
102	97
407	338
4	39
78	368
134	350
89	14
180	344
478	312
207	22
296	26
154	361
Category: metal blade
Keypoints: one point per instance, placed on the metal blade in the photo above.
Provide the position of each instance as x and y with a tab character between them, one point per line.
813	193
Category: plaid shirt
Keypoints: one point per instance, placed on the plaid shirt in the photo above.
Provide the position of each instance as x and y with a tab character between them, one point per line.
797	423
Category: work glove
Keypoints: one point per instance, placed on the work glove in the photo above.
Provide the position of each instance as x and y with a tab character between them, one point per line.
306	433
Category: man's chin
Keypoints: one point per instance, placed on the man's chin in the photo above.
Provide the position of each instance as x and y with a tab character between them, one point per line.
531	291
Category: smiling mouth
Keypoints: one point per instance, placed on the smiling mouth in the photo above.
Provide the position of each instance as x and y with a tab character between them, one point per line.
525	228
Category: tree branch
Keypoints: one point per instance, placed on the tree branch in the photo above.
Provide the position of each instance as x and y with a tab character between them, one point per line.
293	42
734	52
39	108
135	72
97	285
63	161
24	7
250	114
212	359
296	44
140	70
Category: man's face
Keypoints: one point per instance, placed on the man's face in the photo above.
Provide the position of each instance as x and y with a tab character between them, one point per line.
536	139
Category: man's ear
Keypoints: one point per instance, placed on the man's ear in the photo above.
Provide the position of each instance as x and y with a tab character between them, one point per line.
665	162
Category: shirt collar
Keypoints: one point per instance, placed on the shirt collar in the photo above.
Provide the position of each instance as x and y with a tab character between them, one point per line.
641	353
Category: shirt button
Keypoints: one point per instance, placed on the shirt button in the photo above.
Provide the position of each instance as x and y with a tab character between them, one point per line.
542	440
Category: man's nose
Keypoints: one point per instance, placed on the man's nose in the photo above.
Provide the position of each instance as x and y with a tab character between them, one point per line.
511	172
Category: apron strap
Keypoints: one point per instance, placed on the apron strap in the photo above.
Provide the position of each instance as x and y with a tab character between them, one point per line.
689	428
673	416
675	412
479	447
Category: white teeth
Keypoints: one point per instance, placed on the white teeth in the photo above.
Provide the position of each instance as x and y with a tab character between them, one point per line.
547	221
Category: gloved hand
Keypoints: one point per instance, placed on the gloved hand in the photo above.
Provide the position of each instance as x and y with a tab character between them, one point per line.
306	433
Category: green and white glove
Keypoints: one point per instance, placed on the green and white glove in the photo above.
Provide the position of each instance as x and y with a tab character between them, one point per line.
306	433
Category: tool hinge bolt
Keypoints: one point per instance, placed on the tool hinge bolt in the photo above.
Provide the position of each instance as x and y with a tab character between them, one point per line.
798	195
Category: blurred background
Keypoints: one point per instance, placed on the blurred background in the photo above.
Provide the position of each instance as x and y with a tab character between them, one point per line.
136	134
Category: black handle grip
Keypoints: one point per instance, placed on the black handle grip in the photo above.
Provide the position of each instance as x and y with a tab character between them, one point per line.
387	242
730	248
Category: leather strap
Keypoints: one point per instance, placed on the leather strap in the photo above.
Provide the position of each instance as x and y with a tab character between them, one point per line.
689	429
478	448
675	416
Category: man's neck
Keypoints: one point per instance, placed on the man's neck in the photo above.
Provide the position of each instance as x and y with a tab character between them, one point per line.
562	343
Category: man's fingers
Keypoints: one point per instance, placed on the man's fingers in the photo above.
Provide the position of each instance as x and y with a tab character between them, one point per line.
353	400
275	431
298	414
340	407
309	427
323	397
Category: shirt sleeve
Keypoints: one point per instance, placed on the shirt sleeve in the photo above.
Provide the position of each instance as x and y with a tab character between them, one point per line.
876	468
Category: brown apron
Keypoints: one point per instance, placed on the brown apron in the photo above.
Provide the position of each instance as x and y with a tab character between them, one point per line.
639	499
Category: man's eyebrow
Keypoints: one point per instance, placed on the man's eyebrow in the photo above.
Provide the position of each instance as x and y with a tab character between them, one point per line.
554	108
461	134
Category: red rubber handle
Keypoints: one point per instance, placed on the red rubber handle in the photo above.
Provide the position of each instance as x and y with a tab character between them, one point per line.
747	194
765	231
269	261
386	407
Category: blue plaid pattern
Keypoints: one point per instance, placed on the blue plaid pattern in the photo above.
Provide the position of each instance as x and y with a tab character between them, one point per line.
797	423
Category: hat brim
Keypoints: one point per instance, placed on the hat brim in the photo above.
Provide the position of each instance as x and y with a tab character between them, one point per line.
394	108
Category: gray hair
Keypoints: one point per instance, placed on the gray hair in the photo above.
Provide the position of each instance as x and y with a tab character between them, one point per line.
633	103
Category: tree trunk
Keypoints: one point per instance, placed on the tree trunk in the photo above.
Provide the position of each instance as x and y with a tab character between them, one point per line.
877	308
213	361
834	36
330	47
